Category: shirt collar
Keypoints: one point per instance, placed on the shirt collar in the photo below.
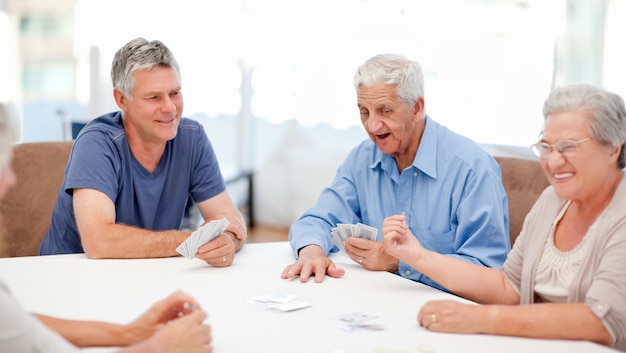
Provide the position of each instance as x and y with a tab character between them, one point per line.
426	157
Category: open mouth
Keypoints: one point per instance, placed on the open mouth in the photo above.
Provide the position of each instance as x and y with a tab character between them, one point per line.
383	136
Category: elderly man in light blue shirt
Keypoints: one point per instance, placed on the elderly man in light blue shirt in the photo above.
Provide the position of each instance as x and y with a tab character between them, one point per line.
448	187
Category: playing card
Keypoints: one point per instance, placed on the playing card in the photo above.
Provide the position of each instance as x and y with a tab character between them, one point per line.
365	231
363	327
345	229
290	306
337	238
356	322
354	317
275	298
280	302
201	236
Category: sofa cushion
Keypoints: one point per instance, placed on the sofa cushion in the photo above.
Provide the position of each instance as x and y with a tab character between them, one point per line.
26	209
523	180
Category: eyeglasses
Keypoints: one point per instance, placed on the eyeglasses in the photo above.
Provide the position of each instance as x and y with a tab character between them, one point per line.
567	148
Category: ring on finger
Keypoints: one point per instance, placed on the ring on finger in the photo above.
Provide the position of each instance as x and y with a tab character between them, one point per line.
361	259
224	258
433	318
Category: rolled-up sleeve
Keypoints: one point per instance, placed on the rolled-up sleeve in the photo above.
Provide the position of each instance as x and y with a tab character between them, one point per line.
607	293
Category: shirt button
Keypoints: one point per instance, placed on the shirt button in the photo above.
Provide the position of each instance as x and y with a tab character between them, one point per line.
407	272
414	173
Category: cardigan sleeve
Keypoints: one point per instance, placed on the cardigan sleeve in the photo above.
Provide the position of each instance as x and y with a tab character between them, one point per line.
519	268
602	284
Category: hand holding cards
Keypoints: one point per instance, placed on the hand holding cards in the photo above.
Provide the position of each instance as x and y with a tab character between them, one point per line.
343	231
202	235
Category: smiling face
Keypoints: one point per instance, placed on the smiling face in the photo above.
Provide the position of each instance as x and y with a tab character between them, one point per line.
581	176
394	126
153	114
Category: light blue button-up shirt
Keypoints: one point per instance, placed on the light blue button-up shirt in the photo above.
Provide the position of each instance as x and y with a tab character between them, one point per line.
452	196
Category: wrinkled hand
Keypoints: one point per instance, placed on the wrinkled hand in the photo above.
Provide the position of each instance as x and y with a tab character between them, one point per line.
184	335
399	241
174	306
312	261
370	254
452	316
219	252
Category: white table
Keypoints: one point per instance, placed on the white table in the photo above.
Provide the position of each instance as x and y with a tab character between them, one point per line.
72	286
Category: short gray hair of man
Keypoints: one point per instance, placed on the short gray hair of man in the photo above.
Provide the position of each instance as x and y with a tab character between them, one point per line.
139	54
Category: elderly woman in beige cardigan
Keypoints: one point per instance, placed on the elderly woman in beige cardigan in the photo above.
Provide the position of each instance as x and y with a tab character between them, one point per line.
565	277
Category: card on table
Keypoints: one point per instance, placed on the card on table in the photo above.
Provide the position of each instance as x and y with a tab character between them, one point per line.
279	302
356	322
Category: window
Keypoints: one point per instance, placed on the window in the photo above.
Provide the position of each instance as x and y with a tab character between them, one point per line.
488	64
46	25
50	81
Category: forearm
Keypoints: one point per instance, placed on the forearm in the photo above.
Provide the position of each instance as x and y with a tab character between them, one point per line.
573	321
89	333
474	282
221	206
125	242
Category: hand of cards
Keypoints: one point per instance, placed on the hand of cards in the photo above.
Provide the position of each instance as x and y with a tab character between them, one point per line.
202	235
343	231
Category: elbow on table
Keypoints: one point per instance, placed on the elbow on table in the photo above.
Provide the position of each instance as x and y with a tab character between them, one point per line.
98	241
96	250
602	335
605	340
94	254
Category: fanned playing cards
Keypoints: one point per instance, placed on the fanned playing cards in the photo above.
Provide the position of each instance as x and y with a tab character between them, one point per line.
343	231
202	235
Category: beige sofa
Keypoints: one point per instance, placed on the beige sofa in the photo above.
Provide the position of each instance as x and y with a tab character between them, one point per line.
523	180
26	209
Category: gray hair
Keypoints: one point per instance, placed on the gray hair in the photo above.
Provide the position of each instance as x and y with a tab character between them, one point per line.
9	133
139	54
396	70
608	114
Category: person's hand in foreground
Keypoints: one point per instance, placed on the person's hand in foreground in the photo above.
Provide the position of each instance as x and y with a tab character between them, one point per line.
173	324
182	335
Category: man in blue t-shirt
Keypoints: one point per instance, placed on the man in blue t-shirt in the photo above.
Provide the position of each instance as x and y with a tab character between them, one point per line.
131	172
449	189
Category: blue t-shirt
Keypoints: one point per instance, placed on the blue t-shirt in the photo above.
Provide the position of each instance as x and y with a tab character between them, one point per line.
101	159
452	195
